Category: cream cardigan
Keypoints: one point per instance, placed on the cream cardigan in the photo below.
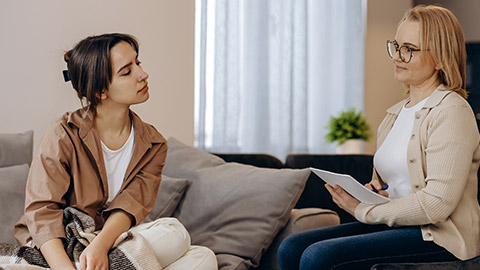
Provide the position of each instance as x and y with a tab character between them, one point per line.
443	159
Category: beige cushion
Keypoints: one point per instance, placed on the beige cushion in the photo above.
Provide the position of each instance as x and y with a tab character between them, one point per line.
311	218
16	149
169	194
12	199
236	210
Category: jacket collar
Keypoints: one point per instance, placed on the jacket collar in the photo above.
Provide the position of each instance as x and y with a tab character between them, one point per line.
83	120
145	136
435	98
145	131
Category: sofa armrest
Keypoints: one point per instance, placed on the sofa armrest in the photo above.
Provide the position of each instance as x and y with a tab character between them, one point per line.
311	218
300	220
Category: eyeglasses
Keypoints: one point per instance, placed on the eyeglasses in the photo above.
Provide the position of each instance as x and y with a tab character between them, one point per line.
405	51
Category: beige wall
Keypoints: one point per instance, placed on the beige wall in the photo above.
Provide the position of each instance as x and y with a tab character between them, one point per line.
381	89
467	13
35	34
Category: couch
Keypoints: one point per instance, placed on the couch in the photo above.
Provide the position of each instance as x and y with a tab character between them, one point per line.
314	195
240	205
240	211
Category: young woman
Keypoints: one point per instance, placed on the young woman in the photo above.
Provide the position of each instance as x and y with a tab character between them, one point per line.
103	160
428	153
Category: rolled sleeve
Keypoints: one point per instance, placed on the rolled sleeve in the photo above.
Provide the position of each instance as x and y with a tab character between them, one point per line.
47	184
138	197
361	212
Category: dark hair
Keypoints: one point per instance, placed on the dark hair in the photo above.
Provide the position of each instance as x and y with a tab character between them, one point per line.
89	65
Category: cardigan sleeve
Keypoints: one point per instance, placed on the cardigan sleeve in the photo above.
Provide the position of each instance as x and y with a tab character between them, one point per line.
452	138
48	182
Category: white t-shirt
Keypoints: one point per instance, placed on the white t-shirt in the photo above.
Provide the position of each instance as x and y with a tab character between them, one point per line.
116	163
390	160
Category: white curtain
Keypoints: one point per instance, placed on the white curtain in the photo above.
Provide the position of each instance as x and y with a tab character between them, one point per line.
270	73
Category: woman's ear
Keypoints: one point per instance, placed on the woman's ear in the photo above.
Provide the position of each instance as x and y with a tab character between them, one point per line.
438	66
103	95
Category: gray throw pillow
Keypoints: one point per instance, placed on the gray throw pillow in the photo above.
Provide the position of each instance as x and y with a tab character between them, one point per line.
234	209
169	194
16	149
12	199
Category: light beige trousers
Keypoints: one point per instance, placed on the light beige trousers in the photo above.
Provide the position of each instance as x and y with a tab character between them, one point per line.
170	242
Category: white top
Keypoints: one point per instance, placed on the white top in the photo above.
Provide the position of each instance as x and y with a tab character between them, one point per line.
390	160
116	163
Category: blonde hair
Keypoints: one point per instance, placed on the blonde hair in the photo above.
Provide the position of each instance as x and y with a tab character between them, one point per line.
442	36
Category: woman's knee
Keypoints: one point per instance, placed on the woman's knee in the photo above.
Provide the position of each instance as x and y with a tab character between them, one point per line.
288	245
289	253
206	258
165	231
285	248
196	258
167	237
324	253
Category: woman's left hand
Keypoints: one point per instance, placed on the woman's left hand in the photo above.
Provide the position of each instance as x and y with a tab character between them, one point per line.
343	199
94	257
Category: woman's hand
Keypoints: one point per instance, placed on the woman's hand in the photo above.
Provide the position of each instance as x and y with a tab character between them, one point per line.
343	199
94	257
375	184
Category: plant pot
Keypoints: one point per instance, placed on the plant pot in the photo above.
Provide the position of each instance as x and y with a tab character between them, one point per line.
352	146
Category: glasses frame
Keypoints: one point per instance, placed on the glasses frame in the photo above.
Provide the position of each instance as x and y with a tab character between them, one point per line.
399	50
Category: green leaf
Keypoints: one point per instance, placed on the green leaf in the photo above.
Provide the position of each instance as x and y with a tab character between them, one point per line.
348	125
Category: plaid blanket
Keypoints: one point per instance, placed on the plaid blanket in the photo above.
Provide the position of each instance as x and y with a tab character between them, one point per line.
130	251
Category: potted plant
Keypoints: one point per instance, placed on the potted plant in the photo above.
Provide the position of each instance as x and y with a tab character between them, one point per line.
349	130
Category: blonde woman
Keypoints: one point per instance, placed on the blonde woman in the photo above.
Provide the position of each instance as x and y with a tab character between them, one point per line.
428	154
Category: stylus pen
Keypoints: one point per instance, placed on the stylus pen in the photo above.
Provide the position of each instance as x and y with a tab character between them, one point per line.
384	187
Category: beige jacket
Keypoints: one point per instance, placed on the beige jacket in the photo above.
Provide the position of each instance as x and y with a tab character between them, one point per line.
443	158
69	170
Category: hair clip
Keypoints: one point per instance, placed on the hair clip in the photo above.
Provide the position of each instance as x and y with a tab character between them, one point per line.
66	75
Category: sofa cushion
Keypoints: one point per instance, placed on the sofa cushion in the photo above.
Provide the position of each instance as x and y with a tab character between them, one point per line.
169	194
12	199
234	209
16	149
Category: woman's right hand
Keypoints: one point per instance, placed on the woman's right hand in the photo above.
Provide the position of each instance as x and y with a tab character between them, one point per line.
376	185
